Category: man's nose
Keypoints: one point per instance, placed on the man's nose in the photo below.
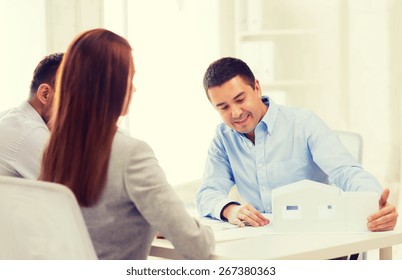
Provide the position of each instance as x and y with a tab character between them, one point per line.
236	111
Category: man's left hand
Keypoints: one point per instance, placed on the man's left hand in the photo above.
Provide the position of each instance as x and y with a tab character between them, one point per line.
386	217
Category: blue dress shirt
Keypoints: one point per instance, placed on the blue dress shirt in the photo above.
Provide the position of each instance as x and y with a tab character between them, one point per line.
291	144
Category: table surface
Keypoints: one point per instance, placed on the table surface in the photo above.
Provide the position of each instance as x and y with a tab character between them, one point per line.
260	244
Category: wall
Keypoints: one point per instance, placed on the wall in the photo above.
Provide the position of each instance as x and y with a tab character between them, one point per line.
174	43
373	102
173	46
22	47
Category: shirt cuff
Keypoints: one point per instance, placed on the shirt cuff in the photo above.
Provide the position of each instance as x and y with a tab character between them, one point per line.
219	207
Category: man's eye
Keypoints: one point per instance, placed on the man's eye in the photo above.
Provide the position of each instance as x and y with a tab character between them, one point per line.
240	100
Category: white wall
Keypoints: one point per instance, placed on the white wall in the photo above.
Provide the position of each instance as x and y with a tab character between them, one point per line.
175	40
371	96
173	46
22	47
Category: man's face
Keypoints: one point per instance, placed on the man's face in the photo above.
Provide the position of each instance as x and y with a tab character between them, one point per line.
239	105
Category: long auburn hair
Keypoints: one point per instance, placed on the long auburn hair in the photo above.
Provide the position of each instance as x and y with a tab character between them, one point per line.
91	87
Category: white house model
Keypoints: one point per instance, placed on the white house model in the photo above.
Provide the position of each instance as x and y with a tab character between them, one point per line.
308	206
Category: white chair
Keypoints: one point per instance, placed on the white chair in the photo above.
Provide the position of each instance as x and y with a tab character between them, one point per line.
353	142
41	220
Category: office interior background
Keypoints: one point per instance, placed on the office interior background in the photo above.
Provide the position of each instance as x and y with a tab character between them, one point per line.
339	58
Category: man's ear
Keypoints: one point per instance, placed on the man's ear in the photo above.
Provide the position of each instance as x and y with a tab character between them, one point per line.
258	87
42	94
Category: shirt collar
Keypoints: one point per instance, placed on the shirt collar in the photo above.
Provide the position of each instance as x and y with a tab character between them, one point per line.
31	112
270	116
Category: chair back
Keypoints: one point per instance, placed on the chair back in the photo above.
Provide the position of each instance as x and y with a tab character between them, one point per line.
41	220
353	142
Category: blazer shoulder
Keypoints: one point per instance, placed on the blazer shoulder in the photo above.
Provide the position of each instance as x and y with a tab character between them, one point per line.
126	143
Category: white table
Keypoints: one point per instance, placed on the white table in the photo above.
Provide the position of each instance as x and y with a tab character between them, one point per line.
309	246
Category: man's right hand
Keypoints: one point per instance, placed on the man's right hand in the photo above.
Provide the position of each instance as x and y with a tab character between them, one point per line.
245	214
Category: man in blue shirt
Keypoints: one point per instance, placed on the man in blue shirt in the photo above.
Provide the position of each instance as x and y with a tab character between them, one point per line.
262	146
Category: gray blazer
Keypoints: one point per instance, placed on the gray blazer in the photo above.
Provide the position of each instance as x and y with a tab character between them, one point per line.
136	203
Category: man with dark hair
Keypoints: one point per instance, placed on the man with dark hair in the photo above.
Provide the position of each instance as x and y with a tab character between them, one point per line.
262	146
23	129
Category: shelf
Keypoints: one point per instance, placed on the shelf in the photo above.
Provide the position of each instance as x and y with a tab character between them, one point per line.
285	43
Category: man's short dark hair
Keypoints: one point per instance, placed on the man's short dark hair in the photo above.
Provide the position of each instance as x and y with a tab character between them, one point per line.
225	69
45	72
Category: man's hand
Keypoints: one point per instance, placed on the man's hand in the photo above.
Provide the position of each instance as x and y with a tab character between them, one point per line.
386	217
245	214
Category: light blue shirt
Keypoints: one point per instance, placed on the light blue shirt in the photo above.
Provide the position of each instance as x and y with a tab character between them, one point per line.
291	144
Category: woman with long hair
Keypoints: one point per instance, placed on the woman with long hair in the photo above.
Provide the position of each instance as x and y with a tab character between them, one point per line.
123	192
